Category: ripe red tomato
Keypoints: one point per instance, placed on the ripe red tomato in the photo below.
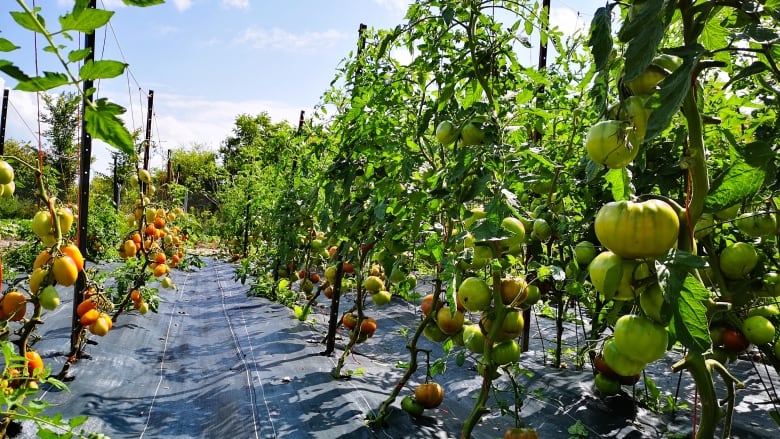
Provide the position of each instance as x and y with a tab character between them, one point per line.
735	341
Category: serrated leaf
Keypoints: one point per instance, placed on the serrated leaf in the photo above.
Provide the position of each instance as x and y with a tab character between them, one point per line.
78	55
86	20
48	81
600	39
103	69
643	35
690	316
460	359
667	101
29	22
11	70
103	123
77	420
739	182
7	46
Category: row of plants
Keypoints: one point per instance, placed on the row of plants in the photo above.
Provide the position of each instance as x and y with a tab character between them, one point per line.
46	256
635	177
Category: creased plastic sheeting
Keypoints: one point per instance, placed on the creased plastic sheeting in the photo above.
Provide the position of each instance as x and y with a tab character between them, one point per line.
215	363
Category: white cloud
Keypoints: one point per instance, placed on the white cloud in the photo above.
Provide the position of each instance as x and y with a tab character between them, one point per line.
240	4
182	5
276	38
394	5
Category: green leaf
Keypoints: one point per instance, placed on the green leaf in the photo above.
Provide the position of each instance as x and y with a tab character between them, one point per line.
104	69
619	181
601	37
690	316
86	20
753	69
667	101
11	70
740	181
143	3
29	22
643	35
48	81
103	123
7	46
78	420
78	55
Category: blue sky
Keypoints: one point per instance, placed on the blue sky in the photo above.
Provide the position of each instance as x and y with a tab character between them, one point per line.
210	60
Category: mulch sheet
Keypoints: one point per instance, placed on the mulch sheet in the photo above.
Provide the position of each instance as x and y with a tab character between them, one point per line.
214	363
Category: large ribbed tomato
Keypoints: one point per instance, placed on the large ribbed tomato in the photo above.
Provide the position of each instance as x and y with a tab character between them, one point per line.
640	338
646	229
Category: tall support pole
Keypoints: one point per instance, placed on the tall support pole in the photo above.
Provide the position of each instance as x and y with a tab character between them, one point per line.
148	141
3	117
537	137
85	159
116	184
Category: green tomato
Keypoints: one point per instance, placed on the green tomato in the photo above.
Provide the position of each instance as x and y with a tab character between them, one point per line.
49	298
411	406
613	276
434	334
446	133
767	311
6	172
651	301
506	352
646	83
640	338
516	231
584	252
471	134
473	339
606	386
475	294
8	190
758	330
620	363
607	144
632	230
541	229
757	224
633	111
738	259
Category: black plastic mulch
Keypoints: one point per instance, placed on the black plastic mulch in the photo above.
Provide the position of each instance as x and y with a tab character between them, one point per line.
214	363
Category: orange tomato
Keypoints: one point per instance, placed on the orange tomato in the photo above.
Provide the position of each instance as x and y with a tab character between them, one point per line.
42	259
135	295
161	270
75	254
160	258
13	306
65	271
151	230
89	317
85	306
159	222
136	237
34	363
131	248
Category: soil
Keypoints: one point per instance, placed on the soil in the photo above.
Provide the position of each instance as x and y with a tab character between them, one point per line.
214	363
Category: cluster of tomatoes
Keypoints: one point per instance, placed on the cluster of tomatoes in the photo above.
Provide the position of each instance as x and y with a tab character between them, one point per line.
156	238
93	312
7	185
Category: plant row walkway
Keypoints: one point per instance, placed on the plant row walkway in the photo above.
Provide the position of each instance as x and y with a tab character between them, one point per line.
215	363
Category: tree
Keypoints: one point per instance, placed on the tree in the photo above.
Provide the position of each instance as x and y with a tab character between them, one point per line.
196	169
62	116
254	138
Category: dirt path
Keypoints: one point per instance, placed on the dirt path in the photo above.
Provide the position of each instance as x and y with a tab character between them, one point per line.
214	363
